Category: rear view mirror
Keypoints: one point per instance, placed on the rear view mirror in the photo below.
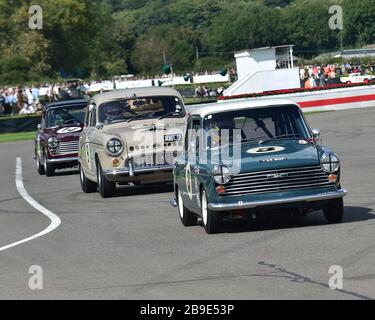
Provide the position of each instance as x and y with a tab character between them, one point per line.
316	134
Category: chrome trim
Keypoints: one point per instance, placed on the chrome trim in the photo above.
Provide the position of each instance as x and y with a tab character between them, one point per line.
254	204
277	180
62	160
123	171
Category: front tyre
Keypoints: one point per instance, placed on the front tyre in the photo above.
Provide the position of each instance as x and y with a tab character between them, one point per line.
334	212
49	168
87	185
187	218
39	166
106	188
211	220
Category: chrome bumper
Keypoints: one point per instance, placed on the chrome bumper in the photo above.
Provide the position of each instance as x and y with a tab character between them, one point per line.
251	205
63	160
137	171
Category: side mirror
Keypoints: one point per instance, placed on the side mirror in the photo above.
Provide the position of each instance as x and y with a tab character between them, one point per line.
39	126
316	134
99	126
178	109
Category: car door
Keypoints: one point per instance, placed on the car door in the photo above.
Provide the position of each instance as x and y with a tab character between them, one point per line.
192	163
86	141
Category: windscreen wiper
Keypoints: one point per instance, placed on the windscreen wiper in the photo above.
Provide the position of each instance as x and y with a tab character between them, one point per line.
284	136
141	115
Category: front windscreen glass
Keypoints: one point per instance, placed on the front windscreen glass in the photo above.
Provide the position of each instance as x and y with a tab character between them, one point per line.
67	115
138	109
261	124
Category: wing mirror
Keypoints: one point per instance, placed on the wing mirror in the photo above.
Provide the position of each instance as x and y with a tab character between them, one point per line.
39	127
99	126
316	134
178	109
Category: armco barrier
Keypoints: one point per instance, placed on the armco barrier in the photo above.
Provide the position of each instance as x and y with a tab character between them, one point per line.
22	124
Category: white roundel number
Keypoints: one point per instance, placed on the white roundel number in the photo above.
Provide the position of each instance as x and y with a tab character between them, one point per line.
69	130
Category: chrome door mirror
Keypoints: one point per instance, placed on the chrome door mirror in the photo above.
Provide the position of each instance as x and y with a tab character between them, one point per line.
39	127
99	126
316	134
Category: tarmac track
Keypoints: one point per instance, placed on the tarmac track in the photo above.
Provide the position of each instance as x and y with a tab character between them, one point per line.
133	246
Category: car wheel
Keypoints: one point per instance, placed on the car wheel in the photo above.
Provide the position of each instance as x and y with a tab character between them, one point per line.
39	166
187	218
211	220
87	185
334	212
49	168
105	188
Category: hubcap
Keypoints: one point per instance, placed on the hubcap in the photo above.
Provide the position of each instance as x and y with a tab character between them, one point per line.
180	205
204	208
45	163
81	173
99	177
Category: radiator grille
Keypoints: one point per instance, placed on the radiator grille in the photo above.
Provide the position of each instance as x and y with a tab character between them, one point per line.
290	179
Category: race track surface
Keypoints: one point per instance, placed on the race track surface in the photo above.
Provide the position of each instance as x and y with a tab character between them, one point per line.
133	246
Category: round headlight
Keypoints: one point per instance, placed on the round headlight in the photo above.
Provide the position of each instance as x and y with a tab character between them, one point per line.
330	163
221	174
114	146
53	143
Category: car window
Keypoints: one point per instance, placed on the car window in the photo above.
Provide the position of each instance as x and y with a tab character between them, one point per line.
139	108
92	122
260	123
67	115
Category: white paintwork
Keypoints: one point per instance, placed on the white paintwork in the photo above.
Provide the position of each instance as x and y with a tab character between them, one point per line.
261	81
55	220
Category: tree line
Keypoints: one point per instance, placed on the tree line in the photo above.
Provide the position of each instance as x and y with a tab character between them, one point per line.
102	38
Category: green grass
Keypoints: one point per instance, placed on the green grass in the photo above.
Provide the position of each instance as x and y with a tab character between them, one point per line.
13	137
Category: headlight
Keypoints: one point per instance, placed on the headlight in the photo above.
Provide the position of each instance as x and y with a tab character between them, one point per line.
115	146
221	174
330	163
53	143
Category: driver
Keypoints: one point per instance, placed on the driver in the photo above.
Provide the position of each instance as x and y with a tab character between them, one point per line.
112	113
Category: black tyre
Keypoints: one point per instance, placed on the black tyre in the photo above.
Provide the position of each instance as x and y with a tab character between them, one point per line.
106	188
334	212
187	218
87	185
211	220
49	168
39	166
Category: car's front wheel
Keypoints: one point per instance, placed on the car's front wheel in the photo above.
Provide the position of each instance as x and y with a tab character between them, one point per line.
39	166
49	168
187	218
87	185
106	188
211	220
334	212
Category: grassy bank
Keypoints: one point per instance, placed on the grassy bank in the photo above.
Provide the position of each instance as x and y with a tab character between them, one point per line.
13	137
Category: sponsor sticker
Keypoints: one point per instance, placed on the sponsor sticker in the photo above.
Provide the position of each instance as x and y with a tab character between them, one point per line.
69	130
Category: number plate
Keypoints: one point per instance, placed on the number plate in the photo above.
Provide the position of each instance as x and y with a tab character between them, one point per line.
172	137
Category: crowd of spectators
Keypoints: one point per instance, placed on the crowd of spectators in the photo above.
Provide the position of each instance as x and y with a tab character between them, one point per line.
321	75
26	100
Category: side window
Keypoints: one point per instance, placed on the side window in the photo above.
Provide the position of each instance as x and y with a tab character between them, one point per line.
196	125
188	134
93	118
87	116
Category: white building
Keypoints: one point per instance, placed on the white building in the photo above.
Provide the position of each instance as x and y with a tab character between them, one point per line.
265	69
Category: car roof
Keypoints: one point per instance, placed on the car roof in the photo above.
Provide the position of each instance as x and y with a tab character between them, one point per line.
135	92
212	108
66	103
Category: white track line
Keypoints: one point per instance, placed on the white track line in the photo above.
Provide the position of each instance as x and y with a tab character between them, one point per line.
55	220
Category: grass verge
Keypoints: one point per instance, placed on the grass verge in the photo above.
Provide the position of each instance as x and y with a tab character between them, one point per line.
20	136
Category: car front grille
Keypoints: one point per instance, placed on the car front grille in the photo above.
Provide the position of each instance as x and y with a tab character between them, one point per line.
281	180
65	148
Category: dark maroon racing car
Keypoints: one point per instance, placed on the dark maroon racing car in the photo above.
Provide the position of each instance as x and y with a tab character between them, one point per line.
57	140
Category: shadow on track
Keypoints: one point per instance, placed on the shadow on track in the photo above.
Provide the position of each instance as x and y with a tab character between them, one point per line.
279	222
126	191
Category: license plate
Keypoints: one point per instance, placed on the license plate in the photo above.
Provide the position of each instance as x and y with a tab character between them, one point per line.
172	138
